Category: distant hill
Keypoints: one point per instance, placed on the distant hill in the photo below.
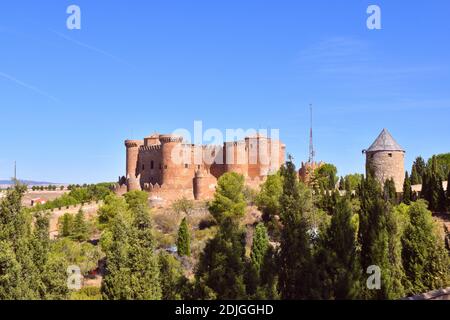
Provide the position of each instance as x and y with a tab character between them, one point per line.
28	183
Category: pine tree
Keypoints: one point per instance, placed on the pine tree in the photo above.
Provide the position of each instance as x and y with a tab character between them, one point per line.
407	191
425	259
297	274
415	177
184	241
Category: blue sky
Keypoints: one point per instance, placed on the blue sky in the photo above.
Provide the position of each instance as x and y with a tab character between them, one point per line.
68	98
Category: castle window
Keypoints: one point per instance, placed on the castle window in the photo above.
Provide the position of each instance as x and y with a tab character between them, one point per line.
165	166
152	165
143	167
198	167
160	166
186	166
390	155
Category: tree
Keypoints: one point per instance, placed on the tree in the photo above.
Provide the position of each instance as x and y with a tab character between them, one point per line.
407	190
184	239
425	259
80	227
390	194
296	271
183	205
326	176
418	170
379	236
448	192
432	189
229	201
132	268
66	225
260	246
340	271
222	265
174	285
268	202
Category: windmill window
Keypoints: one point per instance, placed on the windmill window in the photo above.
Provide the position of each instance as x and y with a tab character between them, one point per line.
390	155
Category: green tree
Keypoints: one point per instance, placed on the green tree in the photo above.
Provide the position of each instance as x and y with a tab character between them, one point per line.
379	236
425	259
222	266
260	246
297	275
66	225
80	227
418	170
184	239
229	201
448	192
337	259
390	194
174	285
268	202
326	176
407	191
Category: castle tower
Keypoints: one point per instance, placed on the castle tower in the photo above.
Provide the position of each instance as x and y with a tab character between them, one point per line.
177	166
132	147
236	157
385	159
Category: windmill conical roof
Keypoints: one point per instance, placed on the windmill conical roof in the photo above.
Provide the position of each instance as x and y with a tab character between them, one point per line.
385	142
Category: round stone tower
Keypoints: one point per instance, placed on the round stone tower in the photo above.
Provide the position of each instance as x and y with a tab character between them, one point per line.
385	159
175	167
132	156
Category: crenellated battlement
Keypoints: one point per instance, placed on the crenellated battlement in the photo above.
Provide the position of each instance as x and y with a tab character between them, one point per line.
152	165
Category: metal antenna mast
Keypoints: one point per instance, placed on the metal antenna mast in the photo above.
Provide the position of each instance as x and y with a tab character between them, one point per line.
311	145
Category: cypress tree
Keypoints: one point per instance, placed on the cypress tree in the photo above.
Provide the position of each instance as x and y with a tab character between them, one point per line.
338	256
80	228
379	236
184	241
390	194
297	275
418	170
259	246
425	259
415	177
222	266
407	191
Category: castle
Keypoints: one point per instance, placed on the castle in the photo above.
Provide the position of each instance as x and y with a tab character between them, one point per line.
385	159
168	168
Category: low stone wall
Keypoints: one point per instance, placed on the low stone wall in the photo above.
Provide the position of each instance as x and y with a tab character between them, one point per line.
90	210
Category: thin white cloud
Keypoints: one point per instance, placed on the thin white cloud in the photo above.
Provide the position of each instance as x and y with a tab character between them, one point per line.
28	86
92	48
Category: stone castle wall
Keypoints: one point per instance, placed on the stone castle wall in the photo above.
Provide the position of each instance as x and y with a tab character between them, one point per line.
385	165
154	164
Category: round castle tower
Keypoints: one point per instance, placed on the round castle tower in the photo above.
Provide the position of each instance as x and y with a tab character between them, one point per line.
385	159
132	160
